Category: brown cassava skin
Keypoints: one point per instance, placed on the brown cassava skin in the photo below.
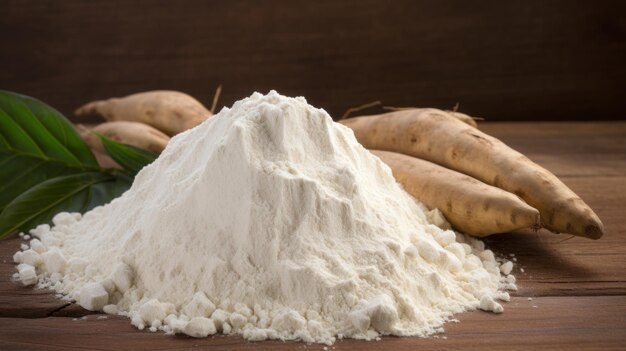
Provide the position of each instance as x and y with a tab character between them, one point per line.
434	135
172	112
464	118
133	133
458	115
470	205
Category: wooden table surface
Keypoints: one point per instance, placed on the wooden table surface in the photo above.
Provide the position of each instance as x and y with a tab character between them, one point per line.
572	293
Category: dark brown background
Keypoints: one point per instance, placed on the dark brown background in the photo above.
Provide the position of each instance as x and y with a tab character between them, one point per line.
503	60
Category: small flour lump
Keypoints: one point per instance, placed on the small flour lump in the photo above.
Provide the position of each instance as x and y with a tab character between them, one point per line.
270	221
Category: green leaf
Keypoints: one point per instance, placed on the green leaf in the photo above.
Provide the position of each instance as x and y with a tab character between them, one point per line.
131	158
70	193
4	144
36	143
17	138
33	127
20	172
46	167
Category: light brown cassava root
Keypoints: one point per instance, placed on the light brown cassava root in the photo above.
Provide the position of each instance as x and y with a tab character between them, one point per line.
470	205
458	115
436	136
133	133
169	111
464	118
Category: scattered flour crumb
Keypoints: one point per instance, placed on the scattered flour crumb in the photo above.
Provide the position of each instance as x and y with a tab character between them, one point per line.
506	268
93	297
27	274
200	327
487	303
110	309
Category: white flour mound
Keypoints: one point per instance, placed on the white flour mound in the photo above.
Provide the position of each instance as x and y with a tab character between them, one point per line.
268	220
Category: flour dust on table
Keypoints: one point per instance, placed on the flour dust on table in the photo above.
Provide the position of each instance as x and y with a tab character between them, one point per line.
270	221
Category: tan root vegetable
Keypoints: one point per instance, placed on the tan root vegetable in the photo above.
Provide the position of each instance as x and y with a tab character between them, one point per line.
169	111
470	205
464	118
458	115
132	133
436	136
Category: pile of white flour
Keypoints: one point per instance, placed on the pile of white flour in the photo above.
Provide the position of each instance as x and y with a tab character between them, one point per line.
268	220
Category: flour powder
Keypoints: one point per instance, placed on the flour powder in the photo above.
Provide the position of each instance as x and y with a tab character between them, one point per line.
270	221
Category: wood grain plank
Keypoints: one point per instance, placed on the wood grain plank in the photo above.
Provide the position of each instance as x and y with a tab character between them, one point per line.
551	323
